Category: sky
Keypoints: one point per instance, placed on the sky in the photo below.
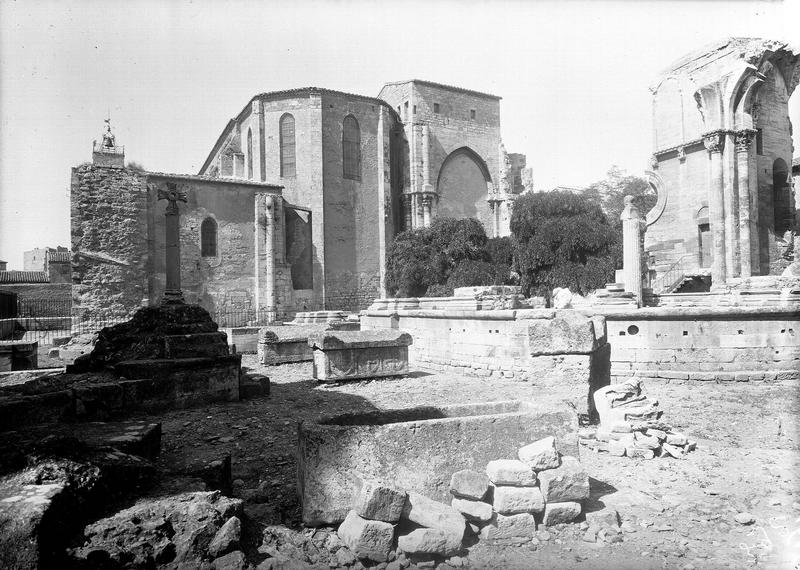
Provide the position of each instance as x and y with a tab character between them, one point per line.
574	77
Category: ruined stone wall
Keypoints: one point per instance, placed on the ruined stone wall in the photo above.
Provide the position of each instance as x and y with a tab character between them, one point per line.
109	241
352	207
705	344
42	296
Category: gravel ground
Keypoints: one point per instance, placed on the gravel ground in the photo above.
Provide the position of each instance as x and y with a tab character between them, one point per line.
677	513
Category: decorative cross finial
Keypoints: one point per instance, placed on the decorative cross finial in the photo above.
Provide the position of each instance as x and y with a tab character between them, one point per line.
172	196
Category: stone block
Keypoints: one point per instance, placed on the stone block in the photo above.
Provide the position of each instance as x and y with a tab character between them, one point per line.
616	447
514	500
514	526
568	332
432	514
566	483
676	439
367	539
426	541
555	513
540	454
378	502
227	538
645	441
473	510
469	484
511	472
346	355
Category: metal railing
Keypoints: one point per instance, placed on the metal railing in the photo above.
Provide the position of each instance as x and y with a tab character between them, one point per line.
671	278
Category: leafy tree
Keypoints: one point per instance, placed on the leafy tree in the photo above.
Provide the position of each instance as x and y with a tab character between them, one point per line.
610	194
562	240
135	166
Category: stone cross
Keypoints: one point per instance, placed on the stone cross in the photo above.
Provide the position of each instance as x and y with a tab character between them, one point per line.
172	293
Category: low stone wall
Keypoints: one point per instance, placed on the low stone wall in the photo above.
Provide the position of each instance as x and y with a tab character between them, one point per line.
723	344
245	339
417	449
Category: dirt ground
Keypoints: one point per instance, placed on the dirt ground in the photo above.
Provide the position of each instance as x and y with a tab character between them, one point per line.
675	513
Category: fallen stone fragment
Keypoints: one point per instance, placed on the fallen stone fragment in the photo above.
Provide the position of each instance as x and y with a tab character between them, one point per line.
605	518
233	561
226	539
676	439
657	433
690	446
432	514
639	453
674	451
469	484
509	500
570	482
590	535
555	513
510	472
514	526
646	442
365	538
620	427
744	518
616	448
541	454
473	510
426	541
378	502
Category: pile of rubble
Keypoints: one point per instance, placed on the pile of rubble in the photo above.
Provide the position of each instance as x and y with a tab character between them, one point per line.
504	505
630	425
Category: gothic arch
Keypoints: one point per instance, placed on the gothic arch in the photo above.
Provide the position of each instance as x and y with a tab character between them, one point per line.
462	185
466	151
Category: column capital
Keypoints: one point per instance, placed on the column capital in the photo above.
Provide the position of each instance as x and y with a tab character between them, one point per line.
714	141
744	139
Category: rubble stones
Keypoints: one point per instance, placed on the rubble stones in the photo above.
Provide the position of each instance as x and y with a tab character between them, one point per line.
473	510
510	472
514	526
227	538
646	442
232	561
431	514
510	500
569	482
540	454
616	448
378	502
426	541
365	538
676	439
639	453
564	512
469	484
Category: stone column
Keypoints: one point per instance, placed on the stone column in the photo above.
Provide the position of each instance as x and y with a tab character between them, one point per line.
269	250
409	223
172	292
743	143
730	207
632	249
714	143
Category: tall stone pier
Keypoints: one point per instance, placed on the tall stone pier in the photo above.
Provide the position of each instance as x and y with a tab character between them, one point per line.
632	249
172	293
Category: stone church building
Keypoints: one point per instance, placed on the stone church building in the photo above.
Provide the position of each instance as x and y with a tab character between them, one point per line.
297	201
722	143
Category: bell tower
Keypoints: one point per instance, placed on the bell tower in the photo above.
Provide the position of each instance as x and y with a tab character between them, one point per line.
107	153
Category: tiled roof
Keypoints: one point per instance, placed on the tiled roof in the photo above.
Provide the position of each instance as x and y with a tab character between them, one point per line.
24	277
449	87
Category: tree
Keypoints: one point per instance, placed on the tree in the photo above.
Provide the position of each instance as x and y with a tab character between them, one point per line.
135	166
562	240
610	194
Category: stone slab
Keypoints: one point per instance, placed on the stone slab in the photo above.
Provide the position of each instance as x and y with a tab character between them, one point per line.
333	365
469	484
566	483
510	472
428	513
510	500
514	526
371	540
404	448
375	501
556	513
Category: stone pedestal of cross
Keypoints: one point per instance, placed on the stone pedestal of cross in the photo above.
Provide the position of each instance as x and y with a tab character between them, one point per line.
172	293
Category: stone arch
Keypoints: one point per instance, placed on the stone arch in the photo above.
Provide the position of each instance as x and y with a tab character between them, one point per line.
208	237
463	186
657	184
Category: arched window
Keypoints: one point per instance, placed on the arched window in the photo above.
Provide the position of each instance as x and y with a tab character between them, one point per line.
287	145
249	154
208	238
351	149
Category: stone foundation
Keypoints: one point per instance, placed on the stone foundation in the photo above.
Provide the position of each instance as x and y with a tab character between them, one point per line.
416	449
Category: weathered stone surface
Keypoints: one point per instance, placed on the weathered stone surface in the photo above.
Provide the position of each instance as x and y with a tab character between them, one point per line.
227	538
645	442
469	484
639	453
426	541
432	514
378	502
673	450
514	500
365	538
341	340
407	444
166	530
616	447
568	332
472	510
569	482
676	439
511	472
605	518
540	454
514	526
348	355
233	561
555	513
